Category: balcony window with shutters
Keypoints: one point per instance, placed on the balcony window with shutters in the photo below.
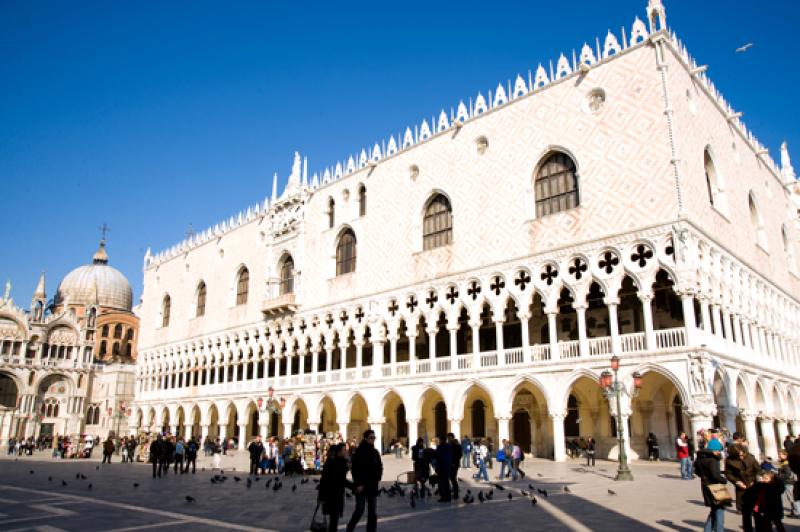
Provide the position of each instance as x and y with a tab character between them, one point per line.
346	253
287	276
556	185
437	223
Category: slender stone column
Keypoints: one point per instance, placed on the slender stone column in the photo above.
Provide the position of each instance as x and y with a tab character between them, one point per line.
343	428
613	323
705	315
413	431
783	431
377	426
583	341
476	344
552	327
559	445
377	359
647	312
412	353
750	431
524	321
393	353
287	430
498	331
689	319
343	357
455	428
768	433
503	428
359	357
715	315
243	437
328	363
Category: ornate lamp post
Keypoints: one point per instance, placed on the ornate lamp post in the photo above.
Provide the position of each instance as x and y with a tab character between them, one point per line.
613	388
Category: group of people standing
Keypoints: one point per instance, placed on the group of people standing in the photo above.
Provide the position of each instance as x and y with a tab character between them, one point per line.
761	488
175	452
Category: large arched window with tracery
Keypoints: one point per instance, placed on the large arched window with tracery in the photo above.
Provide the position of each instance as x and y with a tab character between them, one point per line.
287	275
437	223
346	252
166	307
242	286
556	185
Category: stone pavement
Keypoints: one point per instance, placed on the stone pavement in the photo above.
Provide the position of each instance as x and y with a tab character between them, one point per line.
656	500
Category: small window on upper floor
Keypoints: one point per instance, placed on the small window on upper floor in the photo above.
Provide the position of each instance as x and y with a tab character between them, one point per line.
346	252
362	200
200	309
104	334
331	212
166	305
757	221
788	249
118	331
287	276
556	185
242	286
437	223
714	183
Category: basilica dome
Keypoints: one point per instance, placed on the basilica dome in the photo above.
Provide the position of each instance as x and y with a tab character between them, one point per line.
96	284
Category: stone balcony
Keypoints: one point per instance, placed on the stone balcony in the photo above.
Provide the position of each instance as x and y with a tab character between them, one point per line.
279	305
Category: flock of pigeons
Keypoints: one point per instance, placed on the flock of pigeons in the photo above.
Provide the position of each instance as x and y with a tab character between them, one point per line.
395	490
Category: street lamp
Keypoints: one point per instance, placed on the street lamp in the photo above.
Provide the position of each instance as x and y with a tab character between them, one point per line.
271	405
613	388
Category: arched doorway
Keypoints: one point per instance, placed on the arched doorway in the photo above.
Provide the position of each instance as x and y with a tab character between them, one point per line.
359	412
8	391
658	409
531	428
433	415
440	417
395	427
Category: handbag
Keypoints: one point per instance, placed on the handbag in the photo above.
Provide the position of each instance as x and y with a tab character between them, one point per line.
720	493
318	525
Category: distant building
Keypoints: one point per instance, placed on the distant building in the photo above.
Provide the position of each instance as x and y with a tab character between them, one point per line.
476	273
67	366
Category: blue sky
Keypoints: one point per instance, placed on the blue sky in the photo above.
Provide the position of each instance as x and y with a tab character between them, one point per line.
153	115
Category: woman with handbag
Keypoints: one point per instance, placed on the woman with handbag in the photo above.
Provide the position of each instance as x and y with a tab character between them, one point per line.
715	494
331	488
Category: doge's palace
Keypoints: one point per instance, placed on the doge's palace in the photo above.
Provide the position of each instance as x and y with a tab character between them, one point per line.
476	272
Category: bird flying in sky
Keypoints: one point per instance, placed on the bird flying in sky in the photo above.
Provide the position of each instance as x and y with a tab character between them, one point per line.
742	49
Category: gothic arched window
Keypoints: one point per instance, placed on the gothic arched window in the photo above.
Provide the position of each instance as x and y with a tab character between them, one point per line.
331	212
556	185
346	252
287	276
105	331
201	300
242	286
437	223
362	200
757	221
118	331
165	310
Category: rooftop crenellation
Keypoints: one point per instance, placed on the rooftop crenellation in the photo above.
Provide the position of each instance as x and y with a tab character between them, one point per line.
505	93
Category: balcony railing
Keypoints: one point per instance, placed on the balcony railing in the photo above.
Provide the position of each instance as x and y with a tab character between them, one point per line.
517	356
279	305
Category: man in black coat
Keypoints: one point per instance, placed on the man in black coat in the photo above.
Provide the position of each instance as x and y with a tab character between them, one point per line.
167	454
367	472
457	452
156	450
707	468
256	448
444	464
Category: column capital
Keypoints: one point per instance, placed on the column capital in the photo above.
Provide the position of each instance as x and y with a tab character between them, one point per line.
457	419
645	297
376	420
611	301
557	415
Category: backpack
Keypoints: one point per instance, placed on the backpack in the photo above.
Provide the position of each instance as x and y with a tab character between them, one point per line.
501	455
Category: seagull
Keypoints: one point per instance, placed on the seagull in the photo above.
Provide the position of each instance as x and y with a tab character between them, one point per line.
742	49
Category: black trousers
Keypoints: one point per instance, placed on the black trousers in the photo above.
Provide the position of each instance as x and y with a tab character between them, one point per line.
589	458
372	517
106	458
454	480
443	479
178	463
156	468
190	460
253	467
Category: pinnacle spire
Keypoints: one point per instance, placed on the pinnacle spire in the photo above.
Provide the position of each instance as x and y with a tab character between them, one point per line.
274	187
40	293
787	170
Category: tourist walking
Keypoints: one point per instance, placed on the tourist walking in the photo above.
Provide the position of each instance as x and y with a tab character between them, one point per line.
481	455
443	464
741	469
590	451
789	480
256	449
216	460
422	465
191	456
367	472
456	452
516	459
108	450
652	447
180	452
682	452
707	468
156	449
332	485
466	450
